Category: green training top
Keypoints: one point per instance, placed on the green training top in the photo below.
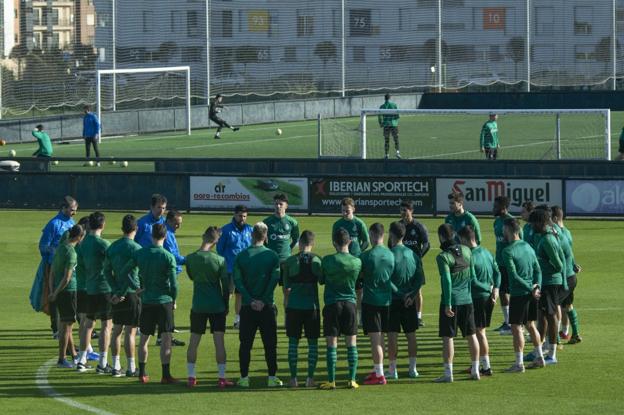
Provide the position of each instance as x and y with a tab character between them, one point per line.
357	232
408	274
565	240
527	234
256	273
93	252
117	256
522	267
551	259
45	144
377	268
456	272
301	276
157	274
211	283
340	272
487	275
64	258
388	120
499	223
463	220
489	135
282	236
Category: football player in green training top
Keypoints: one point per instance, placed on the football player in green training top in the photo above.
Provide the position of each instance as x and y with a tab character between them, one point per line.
354	226
340	273
407	277
63	292
211	296
527	229
569	317
525	279
126	302
92	250
484	290
460	217
301	276
488	139
456	273
256	274
390	125
283	233
377	267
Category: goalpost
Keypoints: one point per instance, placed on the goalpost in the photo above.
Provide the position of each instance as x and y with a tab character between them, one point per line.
544	134
184	69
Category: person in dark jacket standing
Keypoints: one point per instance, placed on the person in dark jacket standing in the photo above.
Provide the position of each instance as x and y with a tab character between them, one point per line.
91	133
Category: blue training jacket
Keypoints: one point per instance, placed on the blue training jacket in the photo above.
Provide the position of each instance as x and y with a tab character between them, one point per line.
90	125
171	245
51	235
233	241
144	229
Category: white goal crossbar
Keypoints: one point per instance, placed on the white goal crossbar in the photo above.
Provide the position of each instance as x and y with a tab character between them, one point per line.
185	69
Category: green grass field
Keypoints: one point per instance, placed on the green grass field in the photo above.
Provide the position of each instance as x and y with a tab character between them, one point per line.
587	378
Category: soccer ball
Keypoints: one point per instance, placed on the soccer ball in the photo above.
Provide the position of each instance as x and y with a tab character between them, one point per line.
91	163
12	153
55	162
124	164
2	142
278	131
113	162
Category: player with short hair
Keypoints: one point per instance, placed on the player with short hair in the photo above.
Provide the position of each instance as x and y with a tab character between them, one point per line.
459	217
340	273
525	280
377	268
484	290
45	144
527	230
256	273
92	250
126	302
91	129
235	237
417	239
301	275
390	125
211	296
173	221
456	272
407	277
158	206
216	105
158	285
63	292
488	140
354	226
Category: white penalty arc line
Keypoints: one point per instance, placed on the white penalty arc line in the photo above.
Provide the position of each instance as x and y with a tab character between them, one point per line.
44	386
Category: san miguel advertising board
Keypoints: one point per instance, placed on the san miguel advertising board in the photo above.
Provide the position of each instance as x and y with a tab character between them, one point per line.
479	194
381	195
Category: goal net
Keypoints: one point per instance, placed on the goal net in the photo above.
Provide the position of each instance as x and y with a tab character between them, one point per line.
549	134
147	88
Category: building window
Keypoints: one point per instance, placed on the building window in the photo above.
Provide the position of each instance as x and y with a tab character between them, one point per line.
619	20
148	21
360	22
585	53
583	16
226	23
177	21
544	21
37	13
336	23
290	54
192	53
305	24
192	24
359	54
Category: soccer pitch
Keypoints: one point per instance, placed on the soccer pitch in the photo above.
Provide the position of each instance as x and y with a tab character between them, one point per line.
584	381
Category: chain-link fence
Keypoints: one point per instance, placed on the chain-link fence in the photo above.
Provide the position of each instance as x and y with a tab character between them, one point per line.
277	48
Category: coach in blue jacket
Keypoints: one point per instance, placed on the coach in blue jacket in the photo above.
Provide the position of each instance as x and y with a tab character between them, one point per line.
91	132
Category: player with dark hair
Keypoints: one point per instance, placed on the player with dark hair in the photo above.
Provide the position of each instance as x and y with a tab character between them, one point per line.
460	217
211	295
456	272
126	302
340	273
158	206
216	105
256	274
173	222
527	229
301	275
354	226
45	144
390	125
407	277
91	129
488	139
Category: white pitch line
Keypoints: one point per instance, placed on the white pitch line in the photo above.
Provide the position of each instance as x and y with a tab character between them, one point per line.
44	385
236	143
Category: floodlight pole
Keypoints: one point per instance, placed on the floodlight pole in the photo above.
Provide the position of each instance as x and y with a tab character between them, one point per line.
439	57
114	56
207	52
342	53
363	129
528	43
98	96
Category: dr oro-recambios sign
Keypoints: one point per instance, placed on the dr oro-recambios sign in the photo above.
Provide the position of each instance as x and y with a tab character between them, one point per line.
479	194
221	192
595	197
371	194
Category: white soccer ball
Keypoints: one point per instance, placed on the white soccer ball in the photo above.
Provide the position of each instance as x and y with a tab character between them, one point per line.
278	131
113	162
55	162
12	153
91	163
124	164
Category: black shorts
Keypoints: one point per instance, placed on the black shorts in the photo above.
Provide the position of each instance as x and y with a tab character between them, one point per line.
387	130
82	301
504	285
216	119
153	315
340	318
99	306
66	306
308	320
375	318
128	312
491	153
402	317
199	321
549	301
522	309
567	296
483	308
464	319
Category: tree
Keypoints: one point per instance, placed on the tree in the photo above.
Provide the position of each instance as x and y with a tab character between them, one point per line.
516	51
326	51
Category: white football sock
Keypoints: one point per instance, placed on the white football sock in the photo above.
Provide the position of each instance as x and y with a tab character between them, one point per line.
379	370
448	369
475	367
519	359
506	314
412	364
419	315
82	357
131	364
103	359
221	367
485	362
116	363
392	367
190	367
